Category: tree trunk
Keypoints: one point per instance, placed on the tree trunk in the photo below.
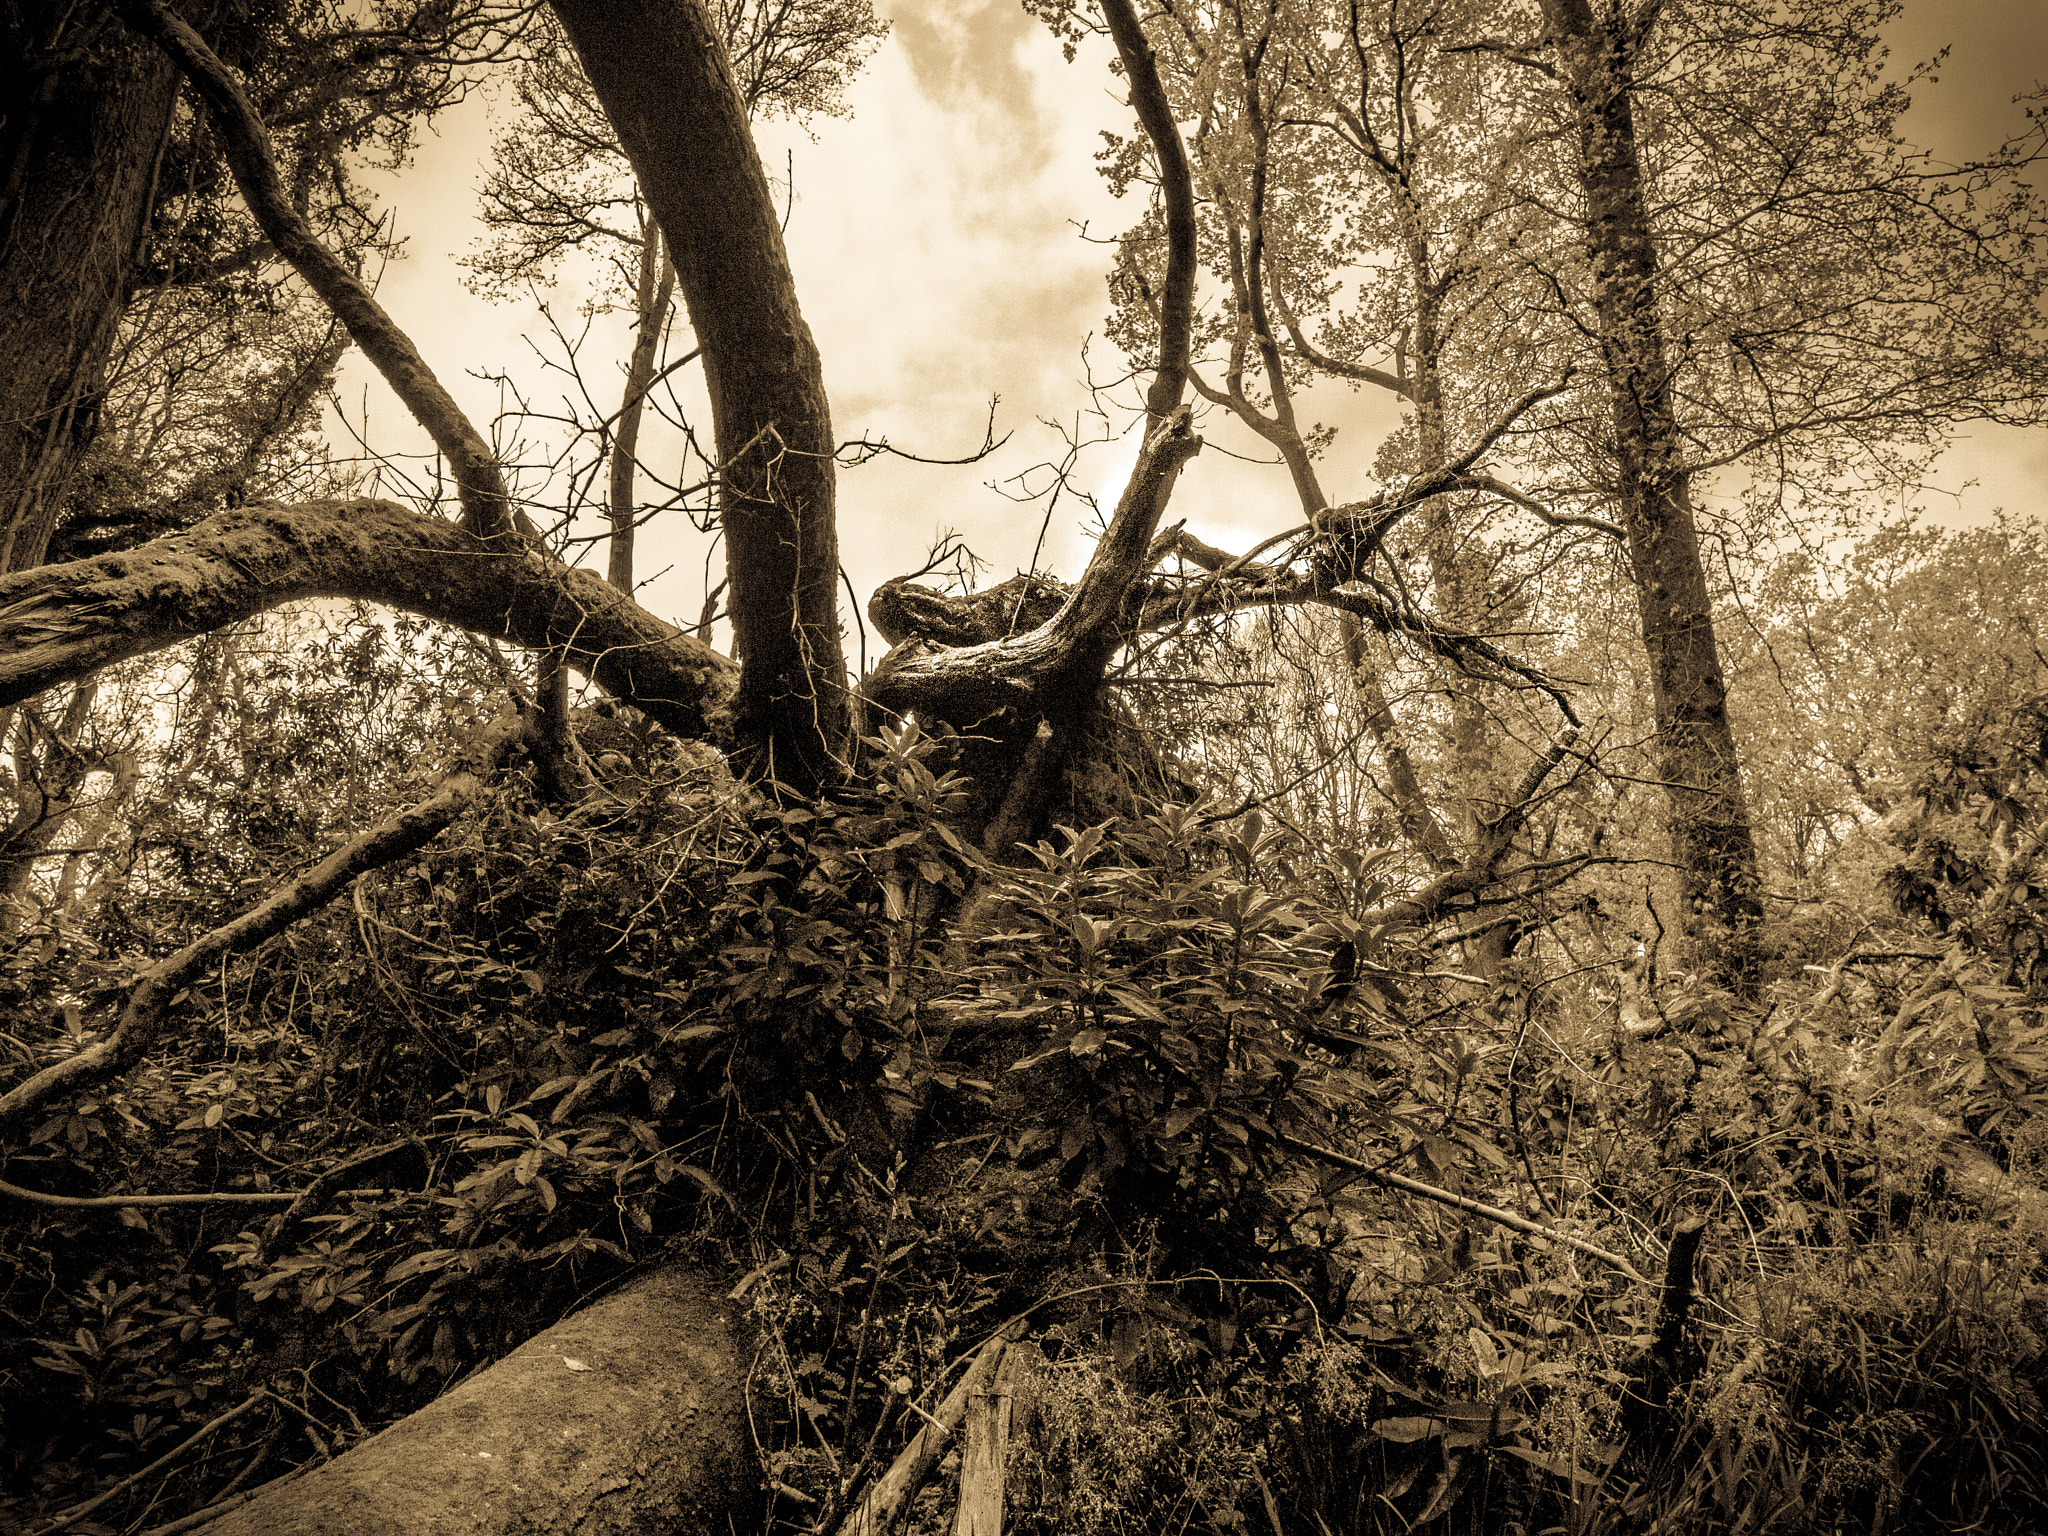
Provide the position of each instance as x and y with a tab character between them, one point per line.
651	299
660	70
79	145
1712	842
627	1418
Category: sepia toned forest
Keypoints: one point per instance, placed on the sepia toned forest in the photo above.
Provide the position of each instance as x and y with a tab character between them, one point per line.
1512	998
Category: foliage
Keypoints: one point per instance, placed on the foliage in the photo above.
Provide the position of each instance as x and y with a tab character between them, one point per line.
687	1014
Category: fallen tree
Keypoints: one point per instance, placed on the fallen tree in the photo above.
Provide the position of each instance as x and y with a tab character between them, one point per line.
628	1417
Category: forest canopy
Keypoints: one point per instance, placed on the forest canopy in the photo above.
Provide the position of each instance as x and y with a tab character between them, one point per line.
1513	999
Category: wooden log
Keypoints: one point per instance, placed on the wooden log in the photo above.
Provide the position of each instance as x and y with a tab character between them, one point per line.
627	1417
878	1506
991	1416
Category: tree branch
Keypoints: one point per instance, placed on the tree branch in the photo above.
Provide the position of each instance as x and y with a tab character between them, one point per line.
1492	1213
163	984
59	622
146	1202
1474	481
1068	650
486	506
1177	191
1482	866
1364	373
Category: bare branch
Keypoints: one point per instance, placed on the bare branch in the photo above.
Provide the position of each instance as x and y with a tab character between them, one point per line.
1362	372
1066	652
145	1202
1482	867
1475	481
1492	1213
162	985
481	486
1503	423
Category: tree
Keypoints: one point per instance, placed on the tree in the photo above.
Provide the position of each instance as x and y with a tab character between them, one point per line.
1660	194
99	120
559	178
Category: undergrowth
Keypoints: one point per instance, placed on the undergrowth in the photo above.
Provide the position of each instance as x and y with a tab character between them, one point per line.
698	1023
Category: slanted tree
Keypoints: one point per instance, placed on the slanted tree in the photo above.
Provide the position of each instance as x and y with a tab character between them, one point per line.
559	183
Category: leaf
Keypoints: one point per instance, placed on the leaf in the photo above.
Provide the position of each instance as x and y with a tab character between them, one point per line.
1557	1466
1408	1429
1076	1137
418	1264
1483	1350
1179	1120
705	1182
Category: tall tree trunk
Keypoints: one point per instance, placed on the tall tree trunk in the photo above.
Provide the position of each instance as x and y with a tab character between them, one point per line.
1711	838
660	70
85	110
651	298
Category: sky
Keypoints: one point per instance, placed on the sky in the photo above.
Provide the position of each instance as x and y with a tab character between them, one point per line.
941	241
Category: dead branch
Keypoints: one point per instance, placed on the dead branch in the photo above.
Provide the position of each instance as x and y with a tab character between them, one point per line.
877	1508
211	1427
1492	1213
144	1202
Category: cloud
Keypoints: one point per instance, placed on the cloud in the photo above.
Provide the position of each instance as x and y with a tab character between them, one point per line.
963	55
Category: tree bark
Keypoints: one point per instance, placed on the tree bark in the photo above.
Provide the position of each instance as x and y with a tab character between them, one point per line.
626	1418
59	622
651	299
87	113
660	70
1712	841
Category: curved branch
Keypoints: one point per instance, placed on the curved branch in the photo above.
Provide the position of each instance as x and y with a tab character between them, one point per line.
159	987
1177	191
1067	652
59	622
1217	598
486	506
663	77
1364	373
1473	481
